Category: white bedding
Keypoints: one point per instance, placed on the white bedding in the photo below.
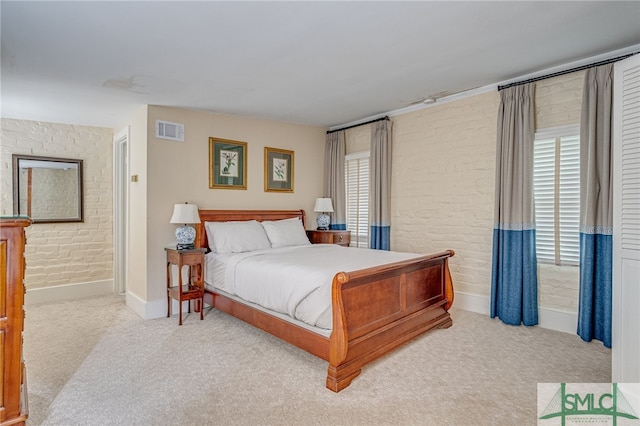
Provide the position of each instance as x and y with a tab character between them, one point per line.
292	280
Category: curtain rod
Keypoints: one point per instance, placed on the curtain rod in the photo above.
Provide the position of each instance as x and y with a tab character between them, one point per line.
386	117
556	74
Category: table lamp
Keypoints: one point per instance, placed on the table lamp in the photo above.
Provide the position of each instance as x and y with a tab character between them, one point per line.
323	205
185	214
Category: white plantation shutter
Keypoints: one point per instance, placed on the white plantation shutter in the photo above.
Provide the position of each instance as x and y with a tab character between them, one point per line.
357	191
556	187
544	154
569	200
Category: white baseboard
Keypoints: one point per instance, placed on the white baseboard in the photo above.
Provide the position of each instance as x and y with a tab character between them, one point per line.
136	304
477	303
550	318
555	319
68	292
153	309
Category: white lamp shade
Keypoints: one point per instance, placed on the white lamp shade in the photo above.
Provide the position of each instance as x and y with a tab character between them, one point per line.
323	205
185	213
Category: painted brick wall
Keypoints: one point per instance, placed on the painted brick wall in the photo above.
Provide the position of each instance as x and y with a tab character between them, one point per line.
559	100
443	184
358	139
65	253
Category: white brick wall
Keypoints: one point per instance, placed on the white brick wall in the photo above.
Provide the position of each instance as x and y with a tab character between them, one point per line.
359	139
443	184
559	100
65	253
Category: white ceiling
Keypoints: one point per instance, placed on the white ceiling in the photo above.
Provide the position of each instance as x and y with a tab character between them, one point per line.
316	63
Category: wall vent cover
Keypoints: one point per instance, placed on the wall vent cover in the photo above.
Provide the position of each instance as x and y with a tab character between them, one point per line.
170	131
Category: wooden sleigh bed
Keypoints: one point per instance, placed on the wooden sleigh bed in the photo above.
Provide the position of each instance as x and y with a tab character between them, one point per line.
374	310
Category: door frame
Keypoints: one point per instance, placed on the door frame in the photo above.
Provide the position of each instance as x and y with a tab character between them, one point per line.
120	211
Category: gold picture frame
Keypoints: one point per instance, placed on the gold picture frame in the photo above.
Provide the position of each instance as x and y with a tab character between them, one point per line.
278	170
227	164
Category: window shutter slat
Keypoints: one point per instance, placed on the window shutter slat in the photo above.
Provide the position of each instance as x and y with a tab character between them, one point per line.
557	199
357	206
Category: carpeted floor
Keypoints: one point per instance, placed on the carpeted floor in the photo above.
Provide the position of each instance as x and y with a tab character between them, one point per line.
95	362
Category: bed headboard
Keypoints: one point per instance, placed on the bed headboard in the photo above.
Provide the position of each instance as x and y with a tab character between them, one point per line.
236	215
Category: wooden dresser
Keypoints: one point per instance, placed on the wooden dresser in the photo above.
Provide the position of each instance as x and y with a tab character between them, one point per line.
13	378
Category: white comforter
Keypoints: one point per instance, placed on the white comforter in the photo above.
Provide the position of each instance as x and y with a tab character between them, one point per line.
294	280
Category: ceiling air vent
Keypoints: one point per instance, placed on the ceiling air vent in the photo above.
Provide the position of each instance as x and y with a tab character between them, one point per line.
168	130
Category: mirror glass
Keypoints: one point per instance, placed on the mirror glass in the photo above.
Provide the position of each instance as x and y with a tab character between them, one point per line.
47	189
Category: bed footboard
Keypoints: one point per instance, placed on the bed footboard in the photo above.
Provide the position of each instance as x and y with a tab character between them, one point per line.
377	309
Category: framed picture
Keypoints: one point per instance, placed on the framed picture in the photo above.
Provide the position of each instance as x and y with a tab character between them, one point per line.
227	164
278	170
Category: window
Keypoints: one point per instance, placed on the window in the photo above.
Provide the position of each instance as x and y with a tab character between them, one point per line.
556	188
357	191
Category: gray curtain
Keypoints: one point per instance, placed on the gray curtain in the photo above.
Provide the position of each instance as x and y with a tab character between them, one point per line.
380	186
596	206
514	279
334	183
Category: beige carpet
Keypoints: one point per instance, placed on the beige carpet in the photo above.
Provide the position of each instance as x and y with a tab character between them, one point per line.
94	362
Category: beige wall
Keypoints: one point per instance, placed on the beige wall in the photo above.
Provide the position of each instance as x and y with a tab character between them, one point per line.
175	172
65	253
443	184
137	249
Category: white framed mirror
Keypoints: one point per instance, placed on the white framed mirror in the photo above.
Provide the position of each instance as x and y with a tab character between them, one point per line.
48	189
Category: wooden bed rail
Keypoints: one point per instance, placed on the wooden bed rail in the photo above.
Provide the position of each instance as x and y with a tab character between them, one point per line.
378	309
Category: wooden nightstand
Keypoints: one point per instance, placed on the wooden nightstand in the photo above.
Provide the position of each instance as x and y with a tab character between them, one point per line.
194	288
342	238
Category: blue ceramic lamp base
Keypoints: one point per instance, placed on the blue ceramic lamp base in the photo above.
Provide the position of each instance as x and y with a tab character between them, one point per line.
323	222
185	235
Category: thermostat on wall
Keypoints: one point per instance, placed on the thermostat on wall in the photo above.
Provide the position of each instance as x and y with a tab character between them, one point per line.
170	131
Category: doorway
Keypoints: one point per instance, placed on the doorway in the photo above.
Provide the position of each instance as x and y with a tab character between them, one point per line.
120	210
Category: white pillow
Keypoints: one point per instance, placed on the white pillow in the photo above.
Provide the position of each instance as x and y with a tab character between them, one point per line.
286	232
236	237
